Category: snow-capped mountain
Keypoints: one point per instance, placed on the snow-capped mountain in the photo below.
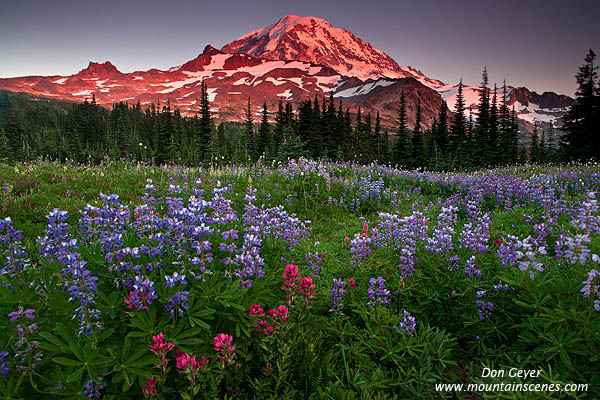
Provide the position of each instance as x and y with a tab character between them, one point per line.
383	96
230	78
545	109
315	40
294	59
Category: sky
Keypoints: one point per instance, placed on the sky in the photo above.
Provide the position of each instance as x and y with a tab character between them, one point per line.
532	43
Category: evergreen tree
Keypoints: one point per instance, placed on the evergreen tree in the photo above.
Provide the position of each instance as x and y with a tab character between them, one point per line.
514	137
401	146
206	127
417	140
291	147
347	147
5	153
72	137
504	125
440	138
483	109
365	140
315	144
280	124
534	150
166	150
222	142
356	135
542	152
492	144
386	152
304	125
377	140
581	124
14	135
330	130
459	127
248	143
264	132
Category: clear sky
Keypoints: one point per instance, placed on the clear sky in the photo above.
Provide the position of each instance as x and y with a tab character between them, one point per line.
533	43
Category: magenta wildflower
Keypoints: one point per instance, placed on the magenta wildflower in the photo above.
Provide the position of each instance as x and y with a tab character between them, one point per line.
149	390
223	346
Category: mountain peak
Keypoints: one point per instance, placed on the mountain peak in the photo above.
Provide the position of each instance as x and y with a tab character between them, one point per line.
211	51
99	70
315	40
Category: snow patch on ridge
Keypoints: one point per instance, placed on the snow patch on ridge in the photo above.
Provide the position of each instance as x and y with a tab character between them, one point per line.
83	93
364	89
287	94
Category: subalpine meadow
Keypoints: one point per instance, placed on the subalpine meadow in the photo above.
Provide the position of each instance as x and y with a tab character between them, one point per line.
300	279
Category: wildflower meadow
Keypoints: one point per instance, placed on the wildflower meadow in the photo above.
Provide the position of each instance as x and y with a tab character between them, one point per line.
295	280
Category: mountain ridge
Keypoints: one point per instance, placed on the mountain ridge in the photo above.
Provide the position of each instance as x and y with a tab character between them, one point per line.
295	59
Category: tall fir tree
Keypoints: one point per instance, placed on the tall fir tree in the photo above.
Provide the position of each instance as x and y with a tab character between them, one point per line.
504	131
480	132
534	149
206	125
377	140
440	138
248	141
458	128
278	127
483	108
315	144
581	139
402	144
386	151
14	135
72	138
543	150
264	133
417	140
331	133
492	142
5	153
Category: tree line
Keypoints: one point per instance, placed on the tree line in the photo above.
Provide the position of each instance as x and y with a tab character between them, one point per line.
319	128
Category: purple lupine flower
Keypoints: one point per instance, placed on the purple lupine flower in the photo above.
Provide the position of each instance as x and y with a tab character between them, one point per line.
4	364
178	302
476	234
395	232
20	313
586	218
501	286
381	294
92	389
57	242
471	270
142	293
573	249
507	251
407	261
232	233
591	286
82	287
25	347
249	261
441	240
526	257
337	295
453	263
15	256
314	261
484	309
173	279
408	324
